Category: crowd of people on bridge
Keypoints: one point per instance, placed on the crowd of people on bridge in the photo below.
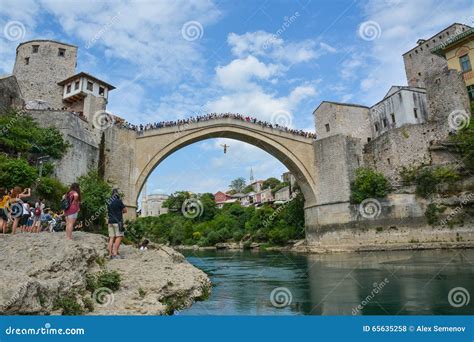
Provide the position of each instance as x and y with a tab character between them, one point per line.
212	116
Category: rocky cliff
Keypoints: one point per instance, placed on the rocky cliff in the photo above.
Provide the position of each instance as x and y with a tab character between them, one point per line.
45	274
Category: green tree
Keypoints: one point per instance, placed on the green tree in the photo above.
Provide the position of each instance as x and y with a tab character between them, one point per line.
368	184
247	189
238	184
95	193
271	183
15	172
464	140
52	191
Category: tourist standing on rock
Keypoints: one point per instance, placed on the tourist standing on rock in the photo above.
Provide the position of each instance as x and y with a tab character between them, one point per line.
115	210
16	205
71	206
4	199
37	214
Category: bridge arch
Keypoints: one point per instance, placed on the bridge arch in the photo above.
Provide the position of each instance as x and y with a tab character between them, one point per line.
294	151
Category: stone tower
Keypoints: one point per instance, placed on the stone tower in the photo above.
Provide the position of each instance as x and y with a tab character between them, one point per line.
40	65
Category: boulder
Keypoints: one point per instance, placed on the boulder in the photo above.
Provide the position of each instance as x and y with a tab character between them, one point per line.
38	269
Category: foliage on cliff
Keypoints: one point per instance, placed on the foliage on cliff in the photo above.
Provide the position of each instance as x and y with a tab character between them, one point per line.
23	146
368	184
464	140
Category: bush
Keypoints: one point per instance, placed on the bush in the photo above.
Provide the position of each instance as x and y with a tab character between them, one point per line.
69	304
432	213
427	180
368	184
464	140
52	191
109	279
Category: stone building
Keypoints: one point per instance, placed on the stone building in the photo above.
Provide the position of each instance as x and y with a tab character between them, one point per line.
152	205
400	106
459	54
332	118
46	72
419	60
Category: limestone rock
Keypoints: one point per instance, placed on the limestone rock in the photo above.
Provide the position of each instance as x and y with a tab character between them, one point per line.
36	269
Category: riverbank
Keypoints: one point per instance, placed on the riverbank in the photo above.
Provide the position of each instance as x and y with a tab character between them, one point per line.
366	239
43	274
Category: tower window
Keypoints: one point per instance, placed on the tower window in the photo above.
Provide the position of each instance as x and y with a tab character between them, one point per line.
465	63
376	126
369	139
35	48
27	60
101	91
68	88
393	117
61	52
415	113
90	85
385	122
327	127
76	85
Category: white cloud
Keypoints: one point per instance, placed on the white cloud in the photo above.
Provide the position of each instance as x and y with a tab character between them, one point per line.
239	73
261	43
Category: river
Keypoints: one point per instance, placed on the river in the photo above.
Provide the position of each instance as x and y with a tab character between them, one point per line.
369	283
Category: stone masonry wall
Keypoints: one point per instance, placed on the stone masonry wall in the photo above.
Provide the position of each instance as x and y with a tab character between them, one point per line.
83	154
10	94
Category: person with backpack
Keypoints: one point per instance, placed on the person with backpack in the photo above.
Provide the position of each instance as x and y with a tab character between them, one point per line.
37	214
115	211
71	206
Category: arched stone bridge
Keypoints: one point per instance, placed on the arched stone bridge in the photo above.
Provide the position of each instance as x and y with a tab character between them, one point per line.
131	157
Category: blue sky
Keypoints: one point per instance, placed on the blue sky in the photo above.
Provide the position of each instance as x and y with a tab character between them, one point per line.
251	57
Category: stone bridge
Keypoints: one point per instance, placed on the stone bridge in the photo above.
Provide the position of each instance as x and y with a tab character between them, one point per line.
131	157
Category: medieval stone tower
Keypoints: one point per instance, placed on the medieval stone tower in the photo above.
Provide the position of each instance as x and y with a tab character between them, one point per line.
40	65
